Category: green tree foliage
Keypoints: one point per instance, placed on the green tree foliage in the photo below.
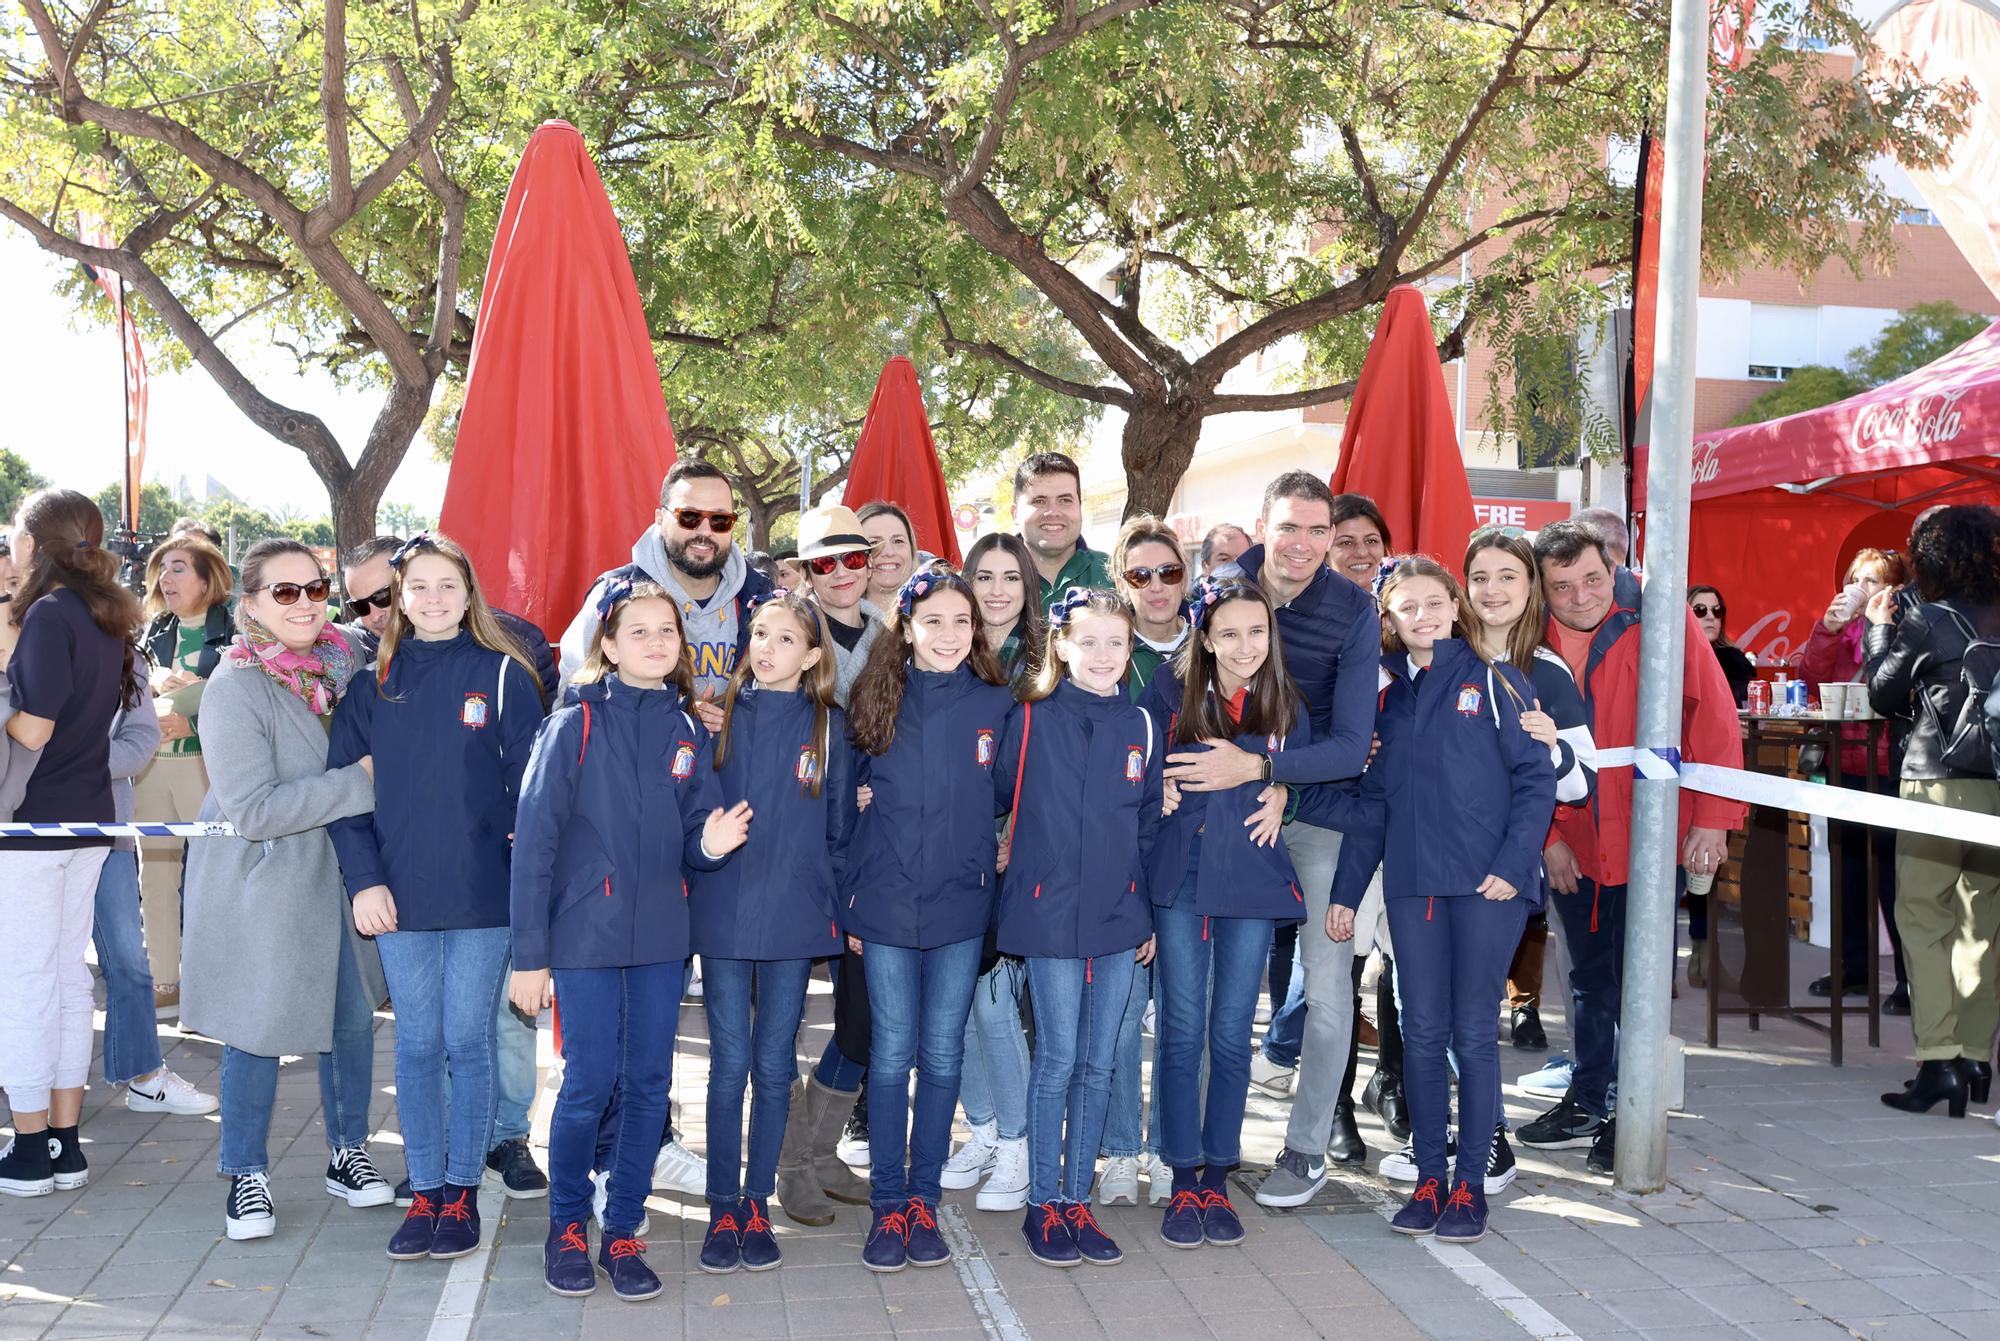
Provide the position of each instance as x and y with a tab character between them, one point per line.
1809	387
18	479
1918	335
157	508
1216	197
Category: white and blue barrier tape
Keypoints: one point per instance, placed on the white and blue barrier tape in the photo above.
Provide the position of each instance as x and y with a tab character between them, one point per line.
1809	798
139	829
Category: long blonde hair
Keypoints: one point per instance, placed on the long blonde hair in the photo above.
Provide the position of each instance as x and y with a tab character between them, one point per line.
1054	670
816	681
1408	568
478	619
597	667
1532	627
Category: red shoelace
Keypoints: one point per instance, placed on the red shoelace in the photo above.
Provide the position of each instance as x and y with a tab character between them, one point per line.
573	1240
920	1214
756	1224
727	1222
895	1223
1212	1198
1079	1216
1428	1192
1461	1196
1052	1220
627	1248
455	1209
1186	1199
420	1205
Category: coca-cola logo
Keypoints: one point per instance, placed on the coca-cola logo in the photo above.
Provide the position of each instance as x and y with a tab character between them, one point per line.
1707	462
1914	422
1767	639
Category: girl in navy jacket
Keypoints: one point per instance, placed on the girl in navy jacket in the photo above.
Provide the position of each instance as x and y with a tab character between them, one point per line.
449	715
621	801
1458	801
1220	881
760	921
918	892
1080	769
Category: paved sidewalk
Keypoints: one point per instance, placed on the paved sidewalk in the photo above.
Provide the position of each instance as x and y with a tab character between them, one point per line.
1799	1207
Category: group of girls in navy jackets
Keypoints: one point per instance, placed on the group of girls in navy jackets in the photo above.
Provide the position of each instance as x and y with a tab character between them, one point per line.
943	806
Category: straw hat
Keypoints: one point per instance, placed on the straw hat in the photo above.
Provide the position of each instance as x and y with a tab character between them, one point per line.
831	529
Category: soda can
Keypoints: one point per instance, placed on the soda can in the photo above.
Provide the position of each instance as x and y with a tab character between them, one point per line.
1760	698
1795	698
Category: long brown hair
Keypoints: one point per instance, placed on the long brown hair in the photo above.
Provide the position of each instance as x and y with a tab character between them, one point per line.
1270	707
1533	625
206	560
816	682
1409	567
1054	669
597	667
478	619
68	532
878	691
1032	628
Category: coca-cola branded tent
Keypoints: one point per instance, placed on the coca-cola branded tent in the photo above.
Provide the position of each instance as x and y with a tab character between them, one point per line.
1779	508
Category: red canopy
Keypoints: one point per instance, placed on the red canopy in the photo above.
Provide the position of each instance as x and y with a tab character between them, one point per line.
1779	508
564	435
895	460
1400	446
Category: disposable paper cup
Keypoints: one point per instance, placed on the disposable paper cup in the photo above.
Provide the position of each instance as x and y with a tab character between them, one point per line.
1857	701
1833	699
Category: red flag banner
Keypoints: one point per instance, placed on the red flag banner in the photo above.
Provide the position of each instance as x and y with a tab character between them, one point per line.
895	460
133	356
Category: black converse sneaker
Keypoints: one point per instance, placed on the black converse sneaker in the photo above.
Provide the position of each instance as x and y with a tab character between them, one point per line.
25	1166
66	1162
351	1175
1500	1169
248	1214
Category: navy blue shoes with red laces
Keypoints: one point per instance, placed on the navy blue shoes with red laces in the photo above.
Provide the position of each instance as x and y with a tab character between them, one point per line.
1091	1241
1181	1225
622	1258
1421	1213
1464	1218
888	1246
760	1245
457	1233
722	1249
1048	1235
412	1240
925	1246
566	1261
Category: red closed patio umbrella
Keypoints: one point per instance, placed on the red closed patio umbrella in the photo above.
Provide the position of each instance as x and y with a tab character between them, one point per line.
564	435
895	460
1400	446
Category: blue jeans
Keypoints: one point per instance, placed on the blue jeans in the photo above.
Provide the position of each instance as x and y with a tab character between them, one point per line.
1451	976
513	1068
740	1045
443	985
1286	1033
346	1074
1123	1135
993	1084
131	1026
1596	986
1079	1004
1190	946
919	1000
836	1070
618	1042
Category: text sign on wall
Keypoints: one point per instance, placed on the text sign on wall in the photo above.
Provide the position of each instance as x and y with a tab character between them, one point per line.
1530	514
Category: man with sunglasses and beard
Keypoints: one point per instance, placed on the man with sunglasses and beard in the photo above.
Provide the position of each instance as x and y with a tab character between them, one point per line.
689	551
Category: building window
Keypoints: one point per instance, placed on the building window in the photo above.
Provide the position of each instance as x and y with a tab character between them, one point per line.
1914	215
1769	372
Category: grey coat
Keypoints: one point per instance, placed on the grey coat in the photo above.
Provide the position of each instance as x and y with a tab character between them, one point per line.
847	665
264	911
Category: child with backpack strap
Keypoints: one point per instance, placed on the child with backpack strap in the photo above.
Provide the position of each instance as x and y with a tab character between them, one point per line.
450	714
620	802
1080	769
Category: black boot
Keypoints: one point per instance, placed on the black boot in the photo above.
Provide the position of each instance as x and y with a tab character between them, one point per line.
1935	1080
1528	1034
1978	1079
1389	1104
1347	1146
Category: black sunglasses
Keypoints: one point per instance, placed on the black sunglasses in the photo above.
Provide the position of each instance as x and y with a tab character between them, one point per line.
361	605
288	593
690	519
854	561
1169	574
1706	610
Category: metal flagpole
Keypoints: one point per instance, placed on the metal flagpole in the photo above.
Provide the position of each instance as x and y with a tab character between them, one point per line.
1641	1164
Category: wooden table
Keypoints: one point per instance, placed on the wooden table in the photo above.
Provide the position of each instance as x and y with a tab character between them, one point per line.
1749	942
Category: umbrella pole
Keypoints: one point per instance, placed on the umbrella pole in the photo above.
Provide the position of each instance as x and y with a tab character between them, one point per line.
1641	1164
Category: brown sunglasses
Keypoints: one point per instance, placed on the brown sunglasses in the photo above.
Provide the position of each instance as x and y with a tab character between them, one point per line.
288	593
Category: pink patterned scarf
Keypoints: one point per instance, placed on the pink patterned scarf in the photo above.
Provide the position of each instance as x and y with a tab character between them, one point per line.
316	677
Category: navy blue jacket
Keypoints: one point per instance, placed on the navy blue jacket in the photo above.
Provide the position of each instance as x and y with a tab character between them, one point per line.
1237	878
534	645
920	867
450	733
1090	807
618	787
1332	637
1458	790
775	898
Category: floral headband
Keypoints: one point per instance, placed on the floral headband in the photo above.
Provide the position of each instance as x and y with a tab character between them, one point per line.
1067	605
411	548
1383	574
616	591
764	598
921	585
1207	594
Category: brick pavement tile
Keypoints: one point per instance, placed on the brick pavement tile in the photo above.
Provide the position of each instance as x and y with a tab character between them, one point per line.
1110	1299
1599	1275
201	1306
1378	1322
1957	1255
404	1299
1641	1309
914	1284
619	1321
537	1327
46	1280
1819	1232
275	1270
1265	1325
1908	1327
837	1317
1328	1289
737	1323
1685	1269
1873	1260
1935	1294
742	1287
1050	1312
322	1303
347	1329
1983	1323
936	1311
134	1317
1785	1265
1554	1238
1473	1320
1754	1302
133	1280
1849	1299
1732	1236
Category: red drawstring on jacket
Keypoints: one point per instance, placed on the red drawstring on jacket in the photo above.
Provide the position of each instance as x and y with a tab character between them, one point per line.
1204	928
1086	970
607	886
1430	905
586	736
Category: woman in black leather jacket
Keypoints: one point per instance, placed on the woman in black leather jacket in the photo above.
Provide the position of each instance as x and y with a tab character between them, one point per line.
1947	891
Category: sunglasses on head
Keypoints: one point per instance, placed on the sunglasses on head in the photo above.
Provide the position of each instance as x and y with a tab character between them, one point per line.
1170	574
1704	610
853	561
1510	532
361	605
690	519
288	593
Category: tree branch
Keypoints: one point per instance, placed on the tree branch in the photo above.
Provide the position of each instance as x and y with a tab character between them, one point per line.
333	110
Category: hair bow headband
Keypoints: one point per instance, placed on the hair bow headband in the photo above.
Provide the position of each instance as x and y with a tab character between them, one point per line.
618	589
762	599
1203	599
1382	575
1067	605
914	590
410	548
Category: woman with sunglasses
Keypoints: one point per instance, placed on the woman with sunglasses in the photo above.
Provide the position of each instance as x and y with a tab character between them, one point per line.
835	554
1151	574
274	964
1737	668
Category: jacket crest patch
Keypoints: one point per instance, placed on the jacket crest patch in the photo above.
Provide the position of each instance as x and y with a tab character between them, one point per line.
684	761
473	712
983	750
1471	700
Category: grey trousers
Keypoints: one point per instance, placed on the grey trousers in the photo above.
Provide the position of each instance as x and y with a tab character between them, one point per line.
1329	993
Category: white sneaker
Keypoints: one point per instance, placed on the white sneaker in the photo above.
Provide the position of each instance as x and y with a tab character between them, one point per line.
676	1169
1118	1185
168	1093
1149	1021
693	992
1007	1188
1401	1167
602	1183
1269	1077
973	1160
1159	1178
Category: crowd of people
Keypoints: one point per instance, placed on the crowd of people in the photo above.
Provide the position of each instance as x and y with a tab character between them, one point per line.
932	780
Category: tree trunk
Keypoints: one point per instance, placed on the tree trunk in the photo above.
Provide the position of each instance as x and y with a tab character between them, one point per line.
356	493
1156	447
